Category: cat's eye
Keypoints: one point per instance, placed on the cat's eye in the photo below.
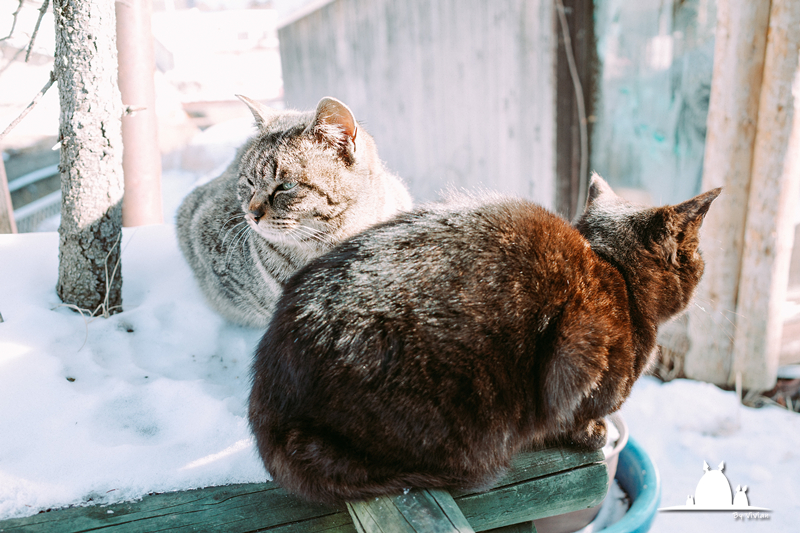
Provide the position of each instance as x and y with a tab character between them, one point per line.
250	182
287	185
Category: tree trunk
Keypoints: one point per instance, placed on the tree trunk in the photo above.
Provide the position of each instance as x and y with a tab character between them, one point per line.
89	273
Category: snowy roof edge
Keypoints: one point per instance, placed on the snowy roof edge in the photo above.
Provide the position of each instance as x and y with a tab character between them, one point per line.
301	12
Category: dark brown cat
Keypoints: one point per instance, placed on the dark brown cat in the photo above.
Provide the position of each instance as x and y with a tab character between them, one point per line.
428	350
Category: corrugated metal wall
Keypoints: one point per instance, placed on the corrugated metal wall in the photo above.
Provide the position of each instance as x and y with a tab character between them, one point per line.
454	92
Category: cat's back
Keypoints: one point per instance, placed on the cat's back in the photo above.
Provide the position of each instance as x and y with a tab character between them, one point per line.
440	326
426	351
497	265
502	238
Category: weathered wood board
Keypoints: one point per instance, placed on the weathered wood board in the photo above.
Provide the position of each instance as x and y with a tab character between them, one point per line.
752	151
772	206
431	511
541	483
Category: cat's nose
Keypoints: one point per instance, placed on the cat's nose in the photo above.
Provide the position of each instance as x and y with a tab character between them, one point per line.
257	214
256	209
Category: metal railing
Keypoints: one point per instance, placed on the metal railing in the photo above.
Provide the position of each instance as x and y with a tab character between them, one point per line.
30	216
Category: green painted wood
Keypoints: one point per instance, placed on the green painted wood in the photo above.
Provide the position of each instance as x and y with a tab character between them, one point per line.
538	463
524	527
233	508
432	511
540	484
550	495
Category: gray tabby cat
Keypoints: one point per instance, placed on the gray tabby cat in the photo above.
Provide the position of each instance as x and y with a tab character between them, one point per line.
303	183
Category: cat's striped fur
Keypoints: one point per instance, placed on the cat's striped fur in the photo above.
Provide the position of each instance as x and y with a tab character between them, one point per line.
303	183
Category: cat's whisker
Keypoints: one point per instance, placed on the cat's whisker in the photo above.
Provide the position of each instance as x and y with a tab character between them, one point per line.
300	233
239	237
232	229
317	231
230	219
311	240
279	226
724	312
709	301
729	336
296	240
239	243
315	234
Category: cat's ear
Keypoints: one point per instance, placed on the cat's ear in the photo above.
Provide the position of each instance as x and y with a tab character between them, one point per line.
599	190
695	210
690	215
261	113
683	223
335	123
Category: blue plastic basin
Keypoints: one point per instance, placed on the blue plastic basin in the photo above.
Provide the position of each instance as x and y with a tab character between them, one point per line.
638	476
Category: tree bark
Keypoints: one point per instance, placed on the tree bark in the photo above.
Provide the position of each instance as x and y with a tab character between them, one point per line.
89	274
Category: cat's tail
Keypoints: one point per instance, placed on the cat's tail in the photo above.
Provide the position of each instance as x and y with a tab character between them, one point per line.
322	468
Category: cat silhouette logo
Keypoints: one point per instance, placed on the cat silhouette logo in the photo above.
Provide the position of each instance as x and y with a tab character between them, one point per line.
713	493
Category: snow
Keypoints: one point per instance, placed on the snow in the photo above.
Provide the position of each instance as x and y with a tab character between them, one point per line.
683	423
153	399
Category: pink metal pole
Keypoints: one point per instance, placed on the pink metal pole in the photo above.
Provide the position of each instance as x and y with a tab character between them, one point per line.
141	160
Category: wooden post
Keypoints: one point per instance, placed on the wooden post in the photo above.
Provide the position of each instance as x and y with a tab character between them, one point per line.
7	223
141	159
739	49
773	201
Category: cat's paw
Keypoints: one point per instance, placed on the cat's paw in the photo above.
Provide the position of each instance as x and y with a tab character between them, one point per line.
592	436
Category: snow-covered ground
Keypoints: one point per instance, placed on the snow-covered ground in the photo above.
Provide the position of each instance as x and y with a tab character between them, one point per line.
154	399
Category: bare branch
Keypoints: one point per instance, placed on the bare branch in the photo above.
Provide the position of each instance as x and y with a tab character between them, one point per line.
14	24
131	110
42	11
30	106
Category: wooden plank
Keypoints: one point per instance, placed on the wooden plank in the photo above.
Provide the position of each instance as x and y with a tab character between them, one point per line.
431	511
566	480
7	223
524	527
538	498
534	464
772	207
231	509
739	49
